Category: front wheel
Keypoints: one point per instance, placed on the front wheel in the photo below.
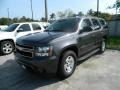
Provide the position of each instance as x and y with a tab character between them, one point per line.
103	46
6	47
67	65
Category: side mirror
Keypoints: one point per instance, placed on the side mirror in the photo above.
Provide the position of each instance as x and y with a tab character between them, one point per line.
20	30
86	29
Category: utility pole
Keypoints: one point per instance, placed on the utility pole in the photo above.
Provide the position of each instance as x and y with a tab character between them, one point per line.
31	9
8	15
46	10
97	8
116	6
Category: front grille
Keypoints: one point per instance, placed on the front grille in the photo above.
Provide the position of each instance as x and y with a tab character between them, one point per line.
26	51
25	46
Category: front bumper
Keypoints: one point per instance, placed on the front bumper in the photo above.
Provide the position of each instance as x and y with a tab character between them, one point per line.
41	64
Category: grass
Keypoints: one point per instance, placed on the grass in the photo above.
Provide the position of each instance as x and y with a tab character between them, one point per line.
113	43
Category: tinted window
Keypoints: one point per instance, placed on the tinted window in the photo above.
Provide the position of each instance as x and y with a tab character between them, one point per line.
95	22
11	28
64	25
102	22
25	27
36	27
86	22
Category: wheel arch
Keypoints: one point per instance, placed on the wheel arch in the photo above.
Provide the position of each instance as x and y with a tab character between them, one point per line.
73	48
8	40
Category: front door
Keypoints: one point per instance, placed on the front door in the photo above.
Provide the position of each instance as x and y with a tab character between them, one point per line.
24	30
85	38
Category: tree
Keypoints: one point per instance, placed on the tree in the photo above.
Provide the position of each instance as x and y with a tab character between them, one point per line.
116	6
80	14
15	20
65	14
3	21
61	14
106	16
69	13
52	16
43	19
91	12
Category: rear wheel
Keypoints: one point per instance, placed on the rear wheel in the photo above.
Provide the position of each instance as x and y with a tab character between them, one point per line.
67	65
6	47
103	46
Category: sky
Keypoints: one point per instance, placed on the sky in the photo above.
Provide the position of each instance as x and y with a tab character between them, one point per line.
19	8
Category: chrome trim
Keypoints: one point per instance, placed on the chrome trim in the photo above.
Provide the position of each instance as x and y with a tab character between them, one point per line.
26	50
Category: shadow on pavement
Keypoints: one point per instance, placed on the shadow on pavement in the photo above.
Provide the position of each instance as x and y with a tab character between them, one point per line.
12	76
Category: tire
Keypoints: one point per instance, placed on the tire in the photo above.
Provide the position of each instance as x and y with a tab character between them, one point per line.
67	65
103	46
6	47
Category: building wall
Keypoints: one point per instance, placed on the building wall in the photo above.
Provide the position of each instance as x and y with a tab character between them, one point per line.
114	27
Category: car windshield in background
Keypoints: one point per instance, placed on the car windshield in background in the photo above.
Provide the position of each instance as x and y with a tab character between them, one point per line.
11	28
64	25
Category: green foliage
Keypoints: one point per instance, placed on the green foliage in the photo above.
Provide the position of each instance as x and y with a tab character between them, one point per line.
52	16
43	19
106	16
65	14
6	21
3	21
116	5
113	43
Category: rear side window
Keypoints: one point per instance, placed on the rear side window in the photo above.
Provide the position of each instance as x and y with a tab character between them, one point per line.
102	22
25	27
36	27
95	22
86	22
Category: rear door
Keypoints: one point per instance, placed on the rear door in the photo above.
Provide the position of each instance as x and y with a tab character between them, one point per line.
96	32
85	39
36	28
104	25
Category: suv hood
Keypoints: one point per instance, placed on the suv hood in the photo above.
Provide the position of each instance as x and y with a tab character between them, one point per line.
6	35
39	38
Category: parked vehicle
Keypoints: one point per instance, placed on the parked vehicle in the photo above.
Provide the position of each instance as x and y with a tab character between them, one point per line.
9	35
62	45
3	27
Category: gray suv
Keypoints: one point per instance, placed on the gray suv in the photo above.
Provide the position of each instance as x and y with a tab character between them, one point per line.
62	45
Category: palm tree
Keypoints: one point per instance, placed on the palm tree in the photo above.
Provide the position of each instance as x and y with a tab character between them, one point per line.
116	5
52	16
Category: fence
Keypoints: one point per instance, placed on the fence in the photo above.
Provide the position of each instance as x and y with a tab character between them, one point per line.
114	27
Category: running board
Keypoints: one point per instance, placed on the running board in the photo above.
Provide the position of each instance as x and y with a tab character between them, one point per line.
88	55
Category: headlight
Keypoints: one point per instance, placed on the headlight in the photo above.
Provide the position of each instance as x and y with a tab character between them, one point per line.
44	51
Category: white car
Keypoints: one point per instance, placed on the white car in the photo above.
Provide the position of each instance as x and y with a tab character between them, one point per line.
3	27
9	35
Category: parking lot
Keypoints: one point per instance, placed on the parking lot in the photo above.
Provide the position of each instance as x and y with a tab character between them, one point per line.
100	72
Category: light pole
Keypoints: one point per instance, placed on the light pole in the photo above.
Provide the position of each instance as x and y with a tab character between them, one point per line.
8	14
116	6
46	10
31	9
97	8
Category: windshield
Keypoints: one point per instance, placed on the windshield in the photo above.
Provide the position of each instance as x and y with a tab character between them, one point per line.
64	25
11	28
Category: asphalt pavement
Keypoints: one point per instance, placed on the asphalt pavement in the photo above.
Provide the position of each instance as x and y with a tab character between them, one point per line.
99	72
